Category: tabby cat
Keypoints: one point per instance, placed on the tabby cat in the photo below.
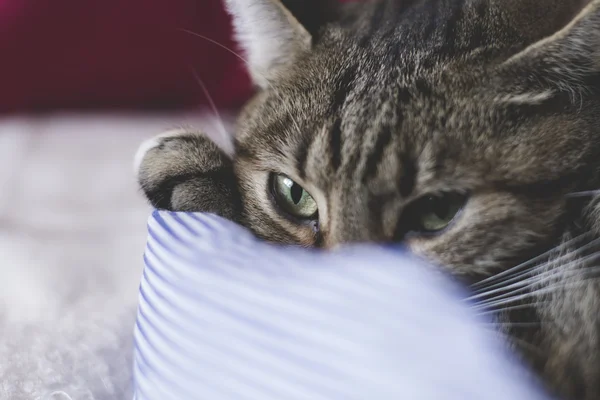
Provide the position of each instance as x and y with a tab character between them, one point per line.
469	130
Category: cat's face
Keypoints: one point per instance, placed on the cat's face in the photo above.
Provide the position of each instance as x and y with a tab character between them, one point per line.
364	140
456	128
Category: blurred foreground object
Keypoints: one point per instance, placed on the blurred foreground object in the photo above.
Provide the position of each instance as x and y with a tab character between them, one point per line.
225	317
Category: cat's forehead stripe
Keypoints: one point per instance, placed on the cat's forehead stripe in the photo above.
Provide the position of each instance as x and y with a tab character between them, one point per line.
335	144
373	159
344	85
302	153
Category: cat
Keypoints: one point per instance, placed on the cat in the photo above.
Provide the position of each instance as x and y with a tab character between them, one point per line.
468	130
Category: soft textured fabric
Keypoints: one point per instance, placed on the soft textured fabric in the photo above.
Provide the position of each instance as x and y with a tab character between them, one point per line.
116	54
225	317
72	236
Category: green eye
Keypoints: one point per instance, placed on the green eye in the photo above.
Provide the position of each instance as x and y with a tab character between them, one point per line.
435	213
293	198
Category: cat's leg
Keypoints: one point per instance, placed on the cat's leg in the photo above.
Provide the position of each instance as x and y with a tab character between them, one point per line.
185	171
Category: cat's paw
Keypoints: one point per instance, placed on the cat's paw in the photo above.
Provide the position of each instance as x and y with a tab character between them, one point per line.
182	170
149	145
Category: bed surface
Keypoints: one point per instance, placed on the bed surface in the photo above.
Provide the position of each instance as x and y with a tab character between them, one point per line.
72	234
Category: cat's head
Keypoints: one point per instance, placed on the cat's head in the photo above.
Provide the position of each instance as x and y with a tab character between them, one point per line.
454	127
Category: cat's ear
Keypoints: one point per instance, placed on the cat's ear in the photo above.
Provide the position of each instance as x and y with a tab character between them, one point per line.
567	61
272	33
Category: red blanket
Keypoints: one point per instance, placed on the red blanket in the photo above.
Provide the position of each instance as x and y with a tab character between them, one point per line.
116	54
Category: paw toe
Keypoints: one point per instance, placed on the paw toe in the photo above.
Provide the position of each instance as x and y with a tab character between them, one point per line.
150	144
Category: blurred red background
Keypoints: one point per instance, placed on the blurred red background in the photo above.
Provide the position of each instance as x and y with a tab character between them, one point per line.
66	54
116	54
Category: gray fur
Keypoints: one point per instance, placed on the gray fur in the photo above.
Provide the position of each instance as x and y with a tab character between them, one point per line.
389	100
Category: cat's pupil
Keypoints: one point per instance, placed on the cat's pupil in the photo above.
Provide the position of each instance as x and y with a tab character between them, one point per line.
439	207
296	193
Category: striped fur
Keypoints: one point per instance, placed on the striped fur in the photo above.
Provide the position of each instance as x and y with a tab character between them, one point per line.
391	100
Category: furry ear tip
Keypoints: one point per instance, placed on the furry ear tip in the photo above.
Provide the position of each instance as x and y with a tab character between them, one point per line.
269	35
560	62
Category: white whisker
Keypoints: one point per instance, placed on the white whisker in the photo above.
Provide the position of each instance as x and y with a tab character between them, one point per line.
546	290
247	63
519	278
533	276
509	272
228	144
588	193
218	44
541	278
